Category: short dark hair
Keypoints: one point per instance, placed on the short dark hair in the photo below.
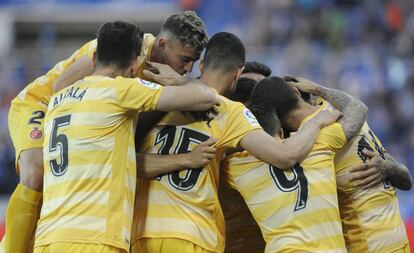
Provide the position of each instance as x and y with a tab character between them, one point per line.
268	119
224	51
257	67
119	43
243	90
188	28
246	85
276	95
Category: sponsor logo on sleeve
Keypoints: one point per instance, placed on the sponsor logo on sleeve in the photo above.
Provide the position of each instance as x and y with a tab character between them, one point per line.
250	117
149	84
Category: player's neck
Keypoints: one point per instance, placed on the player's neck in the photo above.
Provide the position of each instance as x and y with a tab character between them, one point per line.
293	120
108	71
217	80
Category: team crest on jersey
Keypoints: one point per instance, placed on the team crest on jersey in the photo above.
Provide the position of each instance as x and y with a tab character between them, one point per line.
149	84
36	133
250	117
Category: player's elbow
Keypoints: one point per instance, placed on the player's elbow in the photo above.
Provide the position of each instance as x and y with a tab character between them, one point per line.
286	162
56	87
408	184
363	111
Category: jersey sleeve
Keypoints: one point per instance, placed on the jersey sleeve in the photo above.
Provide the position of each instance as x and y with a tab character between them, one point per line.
333	137
138	94
88	49
239	122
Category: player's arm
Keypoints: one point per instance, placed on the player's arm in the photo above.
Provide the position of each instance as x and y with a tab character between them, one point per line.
81	68
354	111
292	150
152	165
378	169
193	96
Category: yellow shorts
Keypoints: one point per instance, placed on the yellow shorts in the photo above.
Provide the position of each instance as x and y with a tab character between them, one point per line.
166	245
60	247
26	120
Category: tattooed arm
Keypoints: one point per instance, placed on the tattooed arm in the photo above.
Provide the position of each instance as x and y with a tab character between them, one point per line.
354	111
397	173
378	169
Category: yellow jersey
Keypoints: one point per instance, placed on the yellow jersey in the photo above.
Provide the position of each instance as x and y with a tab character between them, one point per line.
40	90
296	209
242	232
371	218
89	160
184	204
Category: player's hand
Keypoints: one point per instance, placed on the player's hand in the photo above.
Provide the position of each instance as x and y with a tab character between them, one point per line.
201	155
302	84
163	74
368	174
326	118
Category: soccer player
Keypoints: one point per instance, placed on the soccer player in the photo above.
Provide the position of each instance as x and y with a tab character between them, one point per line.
89	153
179	44
296	208
368	202
180	211
242	232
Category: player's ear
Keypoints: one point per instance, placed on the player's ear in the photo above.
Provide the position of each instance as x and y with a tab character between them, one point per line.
94	60
238	73
162	43
297	92
134	67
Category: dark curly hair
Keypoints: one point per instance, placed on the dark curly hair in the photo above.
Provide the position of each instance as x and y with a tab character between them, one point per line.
188	28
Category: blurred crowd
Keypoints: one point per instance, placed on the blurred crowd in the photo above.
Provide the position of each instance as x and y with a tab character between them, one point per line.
363	47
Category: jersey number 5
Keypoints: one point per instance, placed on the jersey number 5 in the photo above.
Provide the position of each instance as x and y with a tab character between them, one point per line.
59	141
187	136
298	183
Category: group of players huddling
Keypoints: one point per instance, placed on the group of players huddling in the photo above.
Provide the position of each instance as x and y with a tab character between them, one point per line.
117	151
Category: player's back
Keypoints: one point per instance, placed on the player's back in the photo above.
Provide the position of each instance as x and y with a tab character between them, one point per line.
371	217
185	204
89	161
297	208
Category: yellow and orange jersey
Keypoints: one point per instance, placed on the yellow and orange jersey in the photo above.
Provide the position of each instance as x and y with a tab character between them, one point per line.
40	90
297	208
184	204
89	161
371	218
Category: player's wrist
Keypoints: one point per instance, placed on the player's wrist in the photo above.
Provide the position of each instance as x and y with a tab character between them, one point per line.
186	160
315	123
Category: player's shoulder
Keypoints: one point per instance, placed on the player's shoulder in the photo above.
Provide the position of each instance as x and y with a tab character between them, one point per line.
138	81
148	37
147	43
227	104
88	48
